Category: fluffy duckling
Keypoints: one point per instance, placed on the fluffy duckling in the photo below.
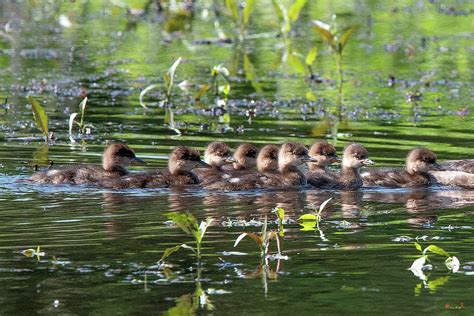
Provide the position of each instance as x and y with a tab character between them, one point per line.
419	162
115	160
324	154
290	156
217	154
245	157
464	165
267	164
354	157
181	163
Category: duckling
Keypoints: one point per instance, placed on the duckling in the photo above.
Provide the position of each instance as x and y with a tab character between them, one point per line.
324	154
267	164
419	162
290	156
181	163
245	157
354	157
217	154
115	160
464	165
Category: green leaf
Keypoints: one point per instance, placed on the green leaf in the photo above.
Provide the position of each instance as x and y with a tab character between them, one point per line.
278	6
280	212
437	250
226	118
169	117
310	58
169	76
308	218
40	116
323	30
247	12
294	61
418	247
233	7
168	252
202	229
345	37
82	105
295	9
185	221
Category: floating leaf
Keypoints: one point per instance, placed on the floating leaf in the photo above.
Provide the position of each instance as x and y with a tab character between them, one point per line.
308	218
40	116
311	56
436	250
345	37
247	12
145	91
295	9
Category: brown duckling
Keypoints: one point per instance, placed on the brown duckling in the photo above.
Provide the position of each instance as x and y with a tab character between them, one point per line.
267	164
419	162
217	154
354	157
181	163
245	157
115	160
464	165
324	154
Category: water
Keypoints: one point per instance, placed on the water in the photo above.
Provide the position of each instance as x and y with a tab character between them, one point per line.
102	247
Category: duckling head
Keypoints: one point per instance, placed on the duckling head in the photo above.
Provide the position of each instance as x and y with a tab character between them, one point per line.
217	154
267	159
292	154
355	156
184	159
421	160
324	154
119	155
245	156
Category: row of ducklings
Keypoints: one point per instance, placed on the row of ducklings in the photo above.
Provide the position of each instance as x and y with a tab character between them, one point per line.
269	167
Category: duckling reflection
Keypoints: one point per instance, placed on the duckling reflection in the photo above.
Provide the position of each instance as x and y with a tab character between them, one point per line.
416	173
115	160
181	163
354	157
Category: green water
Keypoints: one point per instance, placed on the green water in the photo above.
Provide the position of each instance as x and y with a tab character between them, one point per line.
101	247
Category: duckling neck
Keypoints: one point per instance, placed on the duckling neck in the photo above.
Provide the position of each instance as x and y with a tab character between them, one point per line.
290	170
351	176
314	167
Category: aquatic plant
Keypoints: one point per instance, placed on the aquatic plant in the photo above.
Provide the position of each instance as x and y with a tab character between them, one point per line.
288	17
30	252
169	83
263	239
240	12
188	224
220	71
83	127
40	117
337	41
451	262
311	221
